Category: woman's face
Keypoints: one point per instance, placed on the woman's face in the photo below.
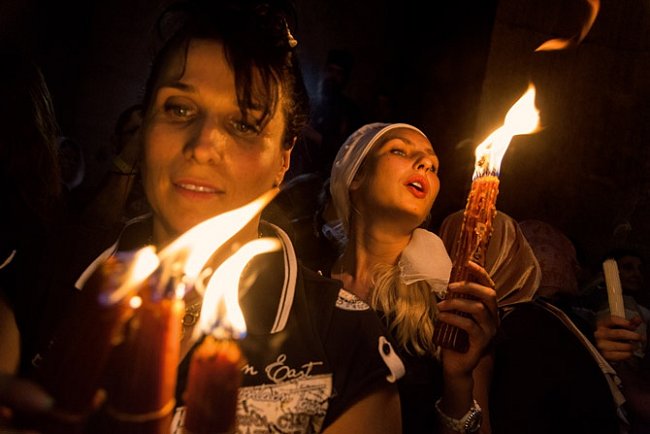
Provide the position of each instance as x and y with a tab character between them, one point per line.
399	178
201	158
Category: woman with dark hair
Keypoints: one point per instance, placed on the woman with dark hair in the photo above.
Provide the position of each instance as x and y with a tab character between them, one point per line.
221	112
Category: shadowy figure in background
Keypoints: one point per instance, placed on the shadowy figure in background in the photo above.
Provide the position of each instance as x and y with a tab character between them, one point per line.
72	162
30	190
624	341
305	202
120	195
335	115
547	378
558	260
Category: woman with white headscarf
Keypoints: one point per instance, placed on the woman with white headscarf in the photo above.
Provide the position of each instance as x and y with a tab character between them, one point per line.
384	181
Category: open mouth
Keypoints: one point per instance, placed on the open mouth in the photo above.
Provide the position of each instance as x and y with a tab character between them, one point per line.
416	185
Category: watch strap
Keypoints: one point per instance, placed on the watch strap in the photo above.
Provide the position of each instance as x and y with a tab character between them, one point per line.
469	423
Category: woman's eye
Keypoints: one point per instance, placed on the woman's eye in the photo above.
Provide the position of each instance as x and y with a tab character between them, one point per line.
399	152
179	111
243	127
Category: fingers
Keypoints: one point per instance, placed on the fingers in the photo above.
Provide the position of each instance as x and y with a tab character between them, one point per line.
612	322
477	317
616	334
485	294
480	274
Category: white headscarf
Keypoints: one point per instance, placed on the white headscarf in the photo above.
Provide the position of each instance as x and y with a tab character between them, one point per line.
425	258
349	159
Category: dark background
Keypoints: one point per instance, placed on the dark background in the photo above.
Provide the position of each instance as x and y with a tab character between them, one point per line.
453	72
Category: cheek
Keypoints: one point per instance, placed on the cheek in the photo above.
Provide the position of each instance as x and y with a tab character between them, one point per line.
435	188
157	155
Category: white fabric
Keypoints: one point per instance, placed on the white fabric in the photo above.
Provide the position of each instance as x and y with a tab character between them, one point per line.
425	258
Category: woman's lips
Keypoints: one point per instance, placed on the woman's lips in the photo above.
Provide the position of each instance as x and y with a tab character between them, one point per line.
199	190
418	186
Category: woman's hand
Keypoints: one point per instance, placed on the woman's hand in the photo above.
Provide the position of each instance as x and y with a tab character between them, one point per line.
616	338
480	324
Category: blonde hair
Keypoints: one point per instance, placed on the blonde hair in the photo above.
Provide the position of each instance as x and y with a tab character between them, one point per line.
410	310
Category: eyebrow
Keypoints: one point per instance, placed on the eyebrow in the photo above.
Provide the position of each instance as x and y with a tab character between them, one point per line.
179	86
429	151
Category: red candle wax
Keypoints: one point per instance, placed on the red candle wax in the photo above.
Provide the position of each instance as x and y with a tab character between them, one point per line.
472	244
72	367
213	384
142	377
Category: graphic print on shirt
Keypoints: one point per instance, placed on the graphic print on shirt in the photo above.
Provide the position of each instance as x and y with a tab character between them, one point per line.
293	400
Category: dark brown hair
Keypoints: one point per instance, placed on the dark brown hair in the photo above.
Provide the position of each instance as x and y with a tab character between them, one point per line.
258	46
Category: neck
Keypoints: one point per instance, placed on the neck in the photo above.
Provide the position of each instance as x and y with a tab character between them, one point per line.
369	245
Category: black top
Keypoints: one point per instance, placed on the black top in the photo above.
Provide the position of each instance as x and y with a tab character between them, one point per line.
545	381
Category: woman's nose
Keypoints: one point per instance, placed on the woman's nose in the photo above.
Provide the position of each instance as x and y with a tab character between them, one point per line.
204	143
423	162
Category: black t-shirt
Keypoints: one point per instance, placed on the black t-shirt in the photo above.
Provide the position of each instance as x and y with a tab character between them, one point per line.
312	349
545	381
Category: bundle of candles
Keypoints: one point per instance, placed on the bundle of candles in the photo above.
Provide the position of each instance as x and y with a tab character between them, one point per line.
123	341
476	230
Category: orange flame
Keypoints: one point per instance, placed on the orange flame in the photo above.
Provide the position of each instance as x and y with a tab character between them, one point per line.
221	315
144	263
522	118
195	246
562	43
191	250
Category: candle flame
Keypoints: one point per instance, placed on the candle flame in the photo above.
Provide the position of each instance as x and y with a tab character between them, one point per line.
221	315
144	263
196	245
135	302
562	43
522	118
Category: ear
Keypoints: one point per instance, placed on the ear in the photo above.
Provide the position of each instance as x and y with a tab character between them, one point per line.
358	179
285	161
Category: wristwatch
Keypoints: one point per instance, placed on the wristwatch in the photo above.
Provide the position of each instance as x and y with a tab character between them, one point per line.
469	423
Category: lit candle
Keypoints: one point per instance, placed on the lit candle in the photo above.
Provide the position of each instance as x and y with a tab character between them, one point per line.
614	290
215	368
475	233
141	391
213	384
72	367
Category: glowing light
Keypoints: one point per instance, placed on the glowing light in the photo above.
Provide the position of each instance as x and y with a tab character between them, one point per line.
135	302
221	315
195	246
562	43
144	263
522	118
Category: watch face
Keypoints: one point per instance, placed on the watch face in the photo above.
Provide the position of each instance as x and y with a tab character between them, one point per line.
473	422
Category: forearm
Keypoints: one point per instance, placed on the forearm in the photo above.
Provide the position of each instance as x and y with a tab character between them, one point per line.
377	413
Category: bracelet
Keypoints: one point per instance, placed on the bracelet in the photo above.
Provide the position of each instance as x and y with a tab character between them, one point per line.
469	423
123	167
